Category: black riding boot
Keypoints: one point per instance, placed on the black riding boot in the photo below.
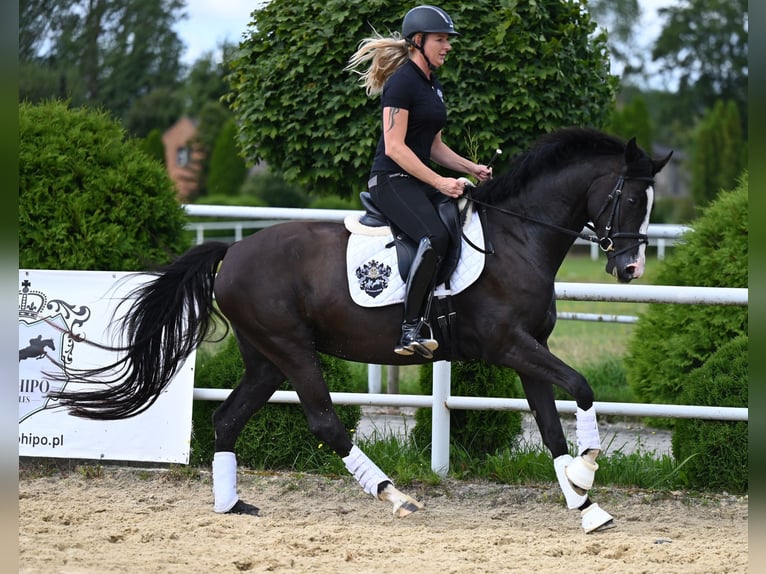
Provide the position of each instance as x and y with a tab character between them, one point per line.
419	283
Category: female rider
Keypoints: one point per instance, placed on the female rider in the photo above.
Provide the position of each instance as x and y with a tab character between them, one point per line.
402	183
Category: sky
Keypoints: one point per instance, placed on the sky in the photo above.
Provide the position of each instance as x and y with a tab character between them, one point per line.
211	22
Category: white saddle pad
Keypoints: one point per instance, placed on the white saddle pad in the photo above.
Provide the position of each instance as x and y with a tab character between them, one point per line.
373	275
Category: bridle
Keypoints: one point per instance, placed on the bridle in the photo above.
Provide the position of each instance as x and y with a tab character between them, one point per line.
606	242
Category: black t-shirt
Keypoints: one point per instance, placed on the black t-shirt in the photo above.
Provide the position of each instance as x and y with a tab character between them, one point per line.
409	89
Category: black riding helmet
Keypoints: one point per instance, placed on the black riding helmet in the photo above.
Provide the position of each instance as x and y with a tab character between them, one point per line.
426	19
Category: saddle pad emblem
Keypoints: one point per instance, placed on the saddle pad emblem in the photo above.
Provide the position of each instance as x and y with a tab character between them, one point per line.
373	277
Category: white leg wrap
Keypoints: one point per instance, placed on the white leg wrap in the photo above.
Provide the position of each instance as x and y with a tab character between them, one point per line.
587	430
224	481
365	471
574	500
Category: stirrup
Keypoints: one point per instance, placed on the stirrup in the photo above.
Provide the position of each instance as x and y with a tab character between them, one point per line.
412	342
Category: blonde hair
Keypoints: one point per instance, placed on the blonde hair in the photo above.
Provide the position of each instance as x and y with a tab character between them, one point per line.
385	55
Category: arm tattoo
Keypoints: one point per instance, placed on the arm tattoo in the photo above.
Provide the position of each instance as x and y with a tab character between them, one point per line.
391	116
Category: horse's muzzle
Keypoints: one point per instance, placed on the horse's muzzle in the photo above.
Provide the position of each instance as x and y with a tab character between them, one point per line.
625	269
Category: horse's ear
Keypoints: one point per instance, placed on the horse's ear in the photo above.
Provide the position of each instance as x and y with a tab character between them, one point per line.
658	164
632	153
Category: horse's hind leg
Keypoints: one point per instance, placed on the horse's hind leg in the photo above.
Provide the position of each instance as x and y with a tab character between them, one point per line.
302	368
259	381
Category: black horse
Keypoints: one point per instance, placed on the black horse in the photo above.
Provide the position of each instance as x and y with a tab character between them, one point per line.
285	294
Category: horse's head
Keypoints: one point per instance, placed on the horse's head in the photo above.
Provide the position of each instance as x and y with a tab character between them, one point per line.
620	208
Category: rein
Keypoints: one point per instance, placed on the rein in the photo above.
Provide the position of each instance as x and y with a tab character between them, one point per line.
606	243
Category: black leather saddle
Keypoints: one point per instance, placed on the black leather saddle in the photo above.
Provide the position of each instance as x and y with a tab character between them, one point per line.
450	215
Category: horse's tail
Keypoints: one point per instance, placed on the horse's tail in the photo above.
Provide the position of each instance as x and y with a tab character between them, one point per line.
172	314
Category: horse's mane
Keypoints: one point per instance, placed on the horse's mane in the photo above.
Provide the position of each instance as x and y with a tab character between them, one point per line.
549	152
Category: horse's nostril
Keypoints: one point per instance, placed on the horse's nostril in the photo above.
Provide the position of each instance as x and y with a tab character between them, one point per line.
633	270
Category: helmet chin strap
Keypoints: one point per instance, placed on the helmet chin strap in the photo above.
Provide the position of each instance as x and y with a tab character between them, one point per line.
422	51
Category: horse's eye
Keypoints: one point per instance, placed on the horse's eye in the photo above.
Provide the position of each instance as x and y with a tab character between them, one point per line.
632	201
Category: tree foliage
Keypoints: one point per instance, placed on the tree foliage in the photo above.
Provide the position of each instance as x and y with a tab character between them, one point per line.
633	119
103	53
518	69
620	19
211	118
670	341
153	146
704	44
205	81
719	153
89	197
227	168
158	109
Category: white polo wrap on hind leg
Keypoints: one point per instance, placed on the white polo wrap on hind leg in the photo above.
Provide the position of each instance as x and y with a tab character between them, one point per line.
224	481
365	471
574	500
587	430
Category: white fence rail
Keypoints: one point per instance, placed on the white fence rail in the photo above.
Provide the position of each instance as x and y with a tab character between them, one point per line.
661	235
441	401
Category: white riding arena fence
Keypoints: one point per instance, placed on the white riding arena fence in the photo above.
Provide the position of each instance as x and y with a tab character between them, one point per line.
441	401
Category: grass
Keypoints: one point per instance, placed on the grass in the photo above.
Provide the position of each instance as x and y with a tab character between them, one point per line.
579	343
519	464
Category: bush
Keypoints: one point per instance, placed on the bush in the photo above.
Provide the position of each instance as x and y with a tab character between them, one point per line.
478	433
227	168
272	190
673	210
277	437
670	341
303	115
716	450
606	376
89	197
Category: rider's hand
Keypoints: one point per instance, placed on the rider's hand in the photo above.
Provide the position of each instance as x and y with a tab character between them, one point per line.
482	172
450	187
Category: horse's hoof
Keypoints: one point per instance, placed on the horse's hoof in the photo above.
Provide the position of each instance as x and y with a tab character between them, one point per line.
581	473
403	505
407	507
244	508
596	519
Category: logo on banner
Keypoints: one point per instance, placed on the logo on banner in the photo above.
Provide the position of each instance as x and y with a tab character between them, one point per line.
48	331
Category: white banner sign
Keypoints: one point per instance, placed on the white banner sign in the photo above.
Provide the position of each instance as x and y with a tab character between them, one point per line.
60	313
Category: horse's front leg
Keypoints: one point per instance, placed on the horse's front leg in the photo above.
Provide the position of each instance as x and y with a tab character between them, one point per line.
542	403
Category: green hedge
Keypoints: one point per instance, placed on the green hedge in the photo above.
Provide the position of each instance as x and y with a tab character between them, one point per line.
478	433
91	198
670	340
277	437
716	450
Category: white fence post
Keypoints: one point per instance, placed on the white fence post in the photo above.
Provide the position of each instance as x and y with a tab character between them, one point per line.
374	376
440	417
